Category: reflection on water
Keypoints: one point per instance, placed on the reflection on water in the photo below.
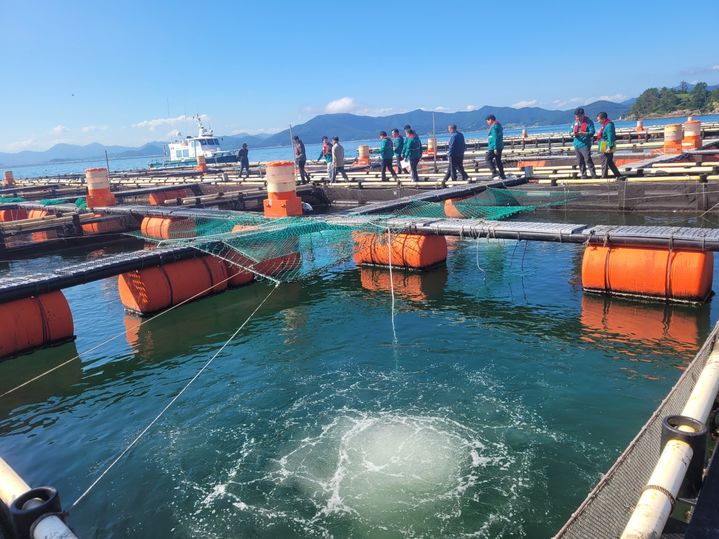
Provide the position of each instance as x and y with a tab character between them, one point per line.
411	285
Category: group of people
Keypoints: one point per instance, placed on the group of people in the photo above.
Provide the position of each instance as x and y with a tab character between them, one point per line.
584	133
406	151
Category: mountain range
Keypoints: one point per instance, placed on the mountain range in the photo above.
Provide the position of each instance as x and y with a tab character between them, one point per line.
345	126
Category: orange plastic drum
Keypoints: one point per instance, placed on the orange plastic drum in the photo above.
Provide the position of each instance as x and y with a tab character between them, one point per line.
407	250
166	228
13	215
639	271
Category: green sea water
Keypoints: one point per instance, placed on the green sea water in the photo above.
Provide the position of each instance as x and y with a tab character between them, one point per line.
506	395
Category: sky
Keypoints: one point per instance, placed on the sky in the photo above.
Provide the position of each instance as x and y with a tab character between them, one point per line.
130	72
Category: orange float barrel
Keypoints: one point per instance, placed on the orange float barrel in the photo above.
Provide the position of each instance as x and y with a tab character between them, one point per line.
673	138
363	154
407	250
33	322
107	226
154	289
431	146
451	210
9	179
167	228
41	236
98	188
524	133
692	139
640	126
201	163
159	198
13	215
282	199
648	272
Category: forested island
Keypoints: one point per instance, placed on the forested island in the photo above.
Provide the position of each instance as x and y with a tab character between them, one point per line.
685	99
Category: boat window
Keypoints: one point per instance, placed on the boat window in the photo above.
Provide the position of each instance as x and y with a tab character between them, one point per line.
185	153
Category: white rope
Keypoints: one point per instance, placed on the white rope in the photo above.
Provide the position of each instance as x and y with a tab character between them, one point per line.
391	282
158	315
169	404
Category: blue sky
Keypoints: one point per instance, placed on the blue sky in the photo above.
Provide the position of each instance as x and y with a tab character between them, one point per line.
131	72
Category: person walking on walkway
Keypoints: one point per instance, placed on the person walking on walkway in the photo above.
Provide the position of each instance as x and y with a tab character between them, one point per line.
301	159
243	156
607	143
583	133
412	152
397	145
455	154
326	155
495	145
338	160
386	152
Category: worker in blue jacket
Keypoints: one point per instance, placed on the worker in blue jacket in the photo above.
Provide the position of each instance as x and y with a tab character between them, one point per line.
455	154
583	133
607	143
495	145
386	152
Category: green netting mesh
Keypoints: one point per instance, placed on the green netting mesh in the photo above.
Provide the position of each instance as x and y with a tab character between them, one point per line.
8	200
295	247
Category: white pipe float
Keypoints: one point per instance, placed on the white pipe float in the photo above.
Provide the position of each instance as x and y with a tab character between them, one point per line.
655	504
12	486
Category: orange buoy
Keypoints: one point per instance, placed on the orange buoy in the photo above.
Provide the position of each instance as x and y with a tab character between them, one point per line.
32	322
13	215
98	188
45	235
201	163
154	289
282	199
9	179
363	155
648	272
168	228
407	250
159	198
692	139
431	146
108	226
673	138
640	126
451	210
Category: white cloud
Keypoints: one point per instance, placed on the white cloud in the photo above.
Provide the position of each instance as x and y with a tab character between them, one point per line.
59	129
579	100
168	122
92	128
525	103
173	133
470	108
343	104
22	144
715	68
440	109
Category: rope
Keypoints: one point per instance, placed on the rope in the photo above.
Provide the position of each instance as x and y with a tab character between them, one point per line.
391	281
169	404
103	343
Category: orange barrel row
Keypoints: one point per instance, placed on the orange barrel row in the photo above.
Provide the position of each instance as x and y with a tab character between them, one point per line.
98	188
159	198
168	228
282	199
13	215
648	272
8	179
406	250
33	322
154	289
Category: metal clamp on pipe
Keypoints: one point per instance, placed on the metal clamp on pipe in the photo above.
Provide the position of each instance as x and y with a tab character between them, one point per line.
694	434
28	509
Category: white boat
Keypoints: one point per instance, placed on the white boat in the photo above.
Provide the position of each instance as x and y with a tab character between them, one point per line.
184	152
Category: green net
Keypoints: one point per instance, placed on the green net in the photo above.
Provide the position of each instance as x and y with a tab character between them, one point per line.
292	248
9	200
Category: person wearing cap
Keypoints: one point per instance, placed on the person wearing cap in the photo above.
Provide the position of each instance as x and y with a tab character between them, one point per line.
583	133
338	160
412	152
455	154
397	144
495	145
244	159
386	152
607	143
301	159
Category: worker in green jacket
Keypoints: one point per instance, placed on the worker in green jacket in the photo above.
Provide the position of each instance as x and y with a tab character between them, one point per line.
583	133
386	152
495	145
412	152
607	143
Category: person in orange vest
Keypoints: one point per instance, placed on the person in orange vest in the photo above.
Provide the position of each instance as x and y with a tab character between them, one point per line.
326	155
